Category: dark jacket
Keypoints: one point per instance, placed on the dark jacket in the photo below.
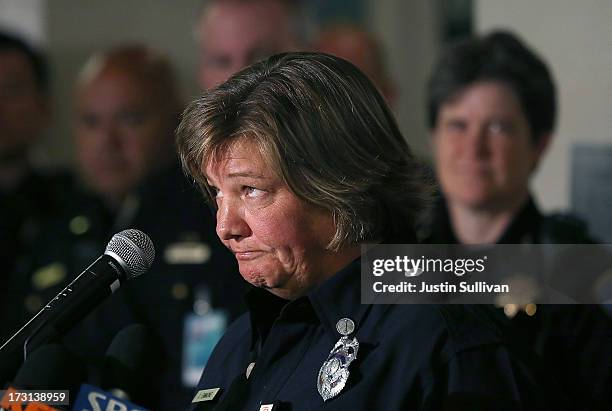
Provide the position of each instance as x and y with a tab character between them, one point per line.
410	357
572	343
23	213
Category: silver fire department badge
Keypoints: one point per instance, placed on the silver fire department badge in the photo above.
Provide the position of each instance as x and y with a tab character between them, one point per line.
334	372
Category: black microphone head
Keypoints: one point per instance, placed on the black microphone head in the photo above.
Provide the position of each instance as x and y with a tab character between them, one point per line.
134	249
133	361
51	367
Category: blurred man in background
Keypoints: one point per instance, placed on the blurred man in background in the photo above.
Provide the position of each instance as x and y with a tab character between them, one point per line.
27	195
23	117
233	34
127	106
491	111
363	49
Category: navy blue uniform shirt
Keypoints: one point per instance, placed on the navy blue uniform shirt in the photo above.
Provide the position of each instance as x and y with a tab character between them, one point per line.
571	343
411	357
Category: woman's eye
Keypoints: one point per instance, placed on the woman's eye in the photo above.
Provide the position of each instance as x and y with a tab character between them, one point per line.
252	192
499	127
89	121
455	127
132	119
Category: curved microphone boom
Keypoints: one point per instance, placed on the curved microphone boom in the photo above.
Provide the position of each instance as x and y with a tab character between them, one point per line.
129	254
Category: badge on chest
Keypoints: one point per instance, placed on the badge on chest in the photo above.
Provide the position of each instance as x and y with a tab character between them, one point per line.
334	372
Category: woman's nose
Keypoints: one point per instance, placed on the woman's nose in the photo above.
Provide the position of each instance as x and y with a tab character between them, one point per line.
476	142
230	221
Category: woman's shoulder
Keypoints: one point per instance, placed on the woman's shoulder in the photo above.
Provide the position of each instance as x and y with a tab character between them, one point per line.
440	329
458	353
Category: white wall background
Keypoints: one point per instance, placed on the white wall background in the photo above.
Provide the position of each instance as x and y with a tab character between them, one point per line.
575	37
410	31
25	18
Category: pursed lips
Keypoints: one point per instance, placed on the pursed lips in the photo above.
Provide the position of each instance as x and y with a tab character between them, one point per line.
244	255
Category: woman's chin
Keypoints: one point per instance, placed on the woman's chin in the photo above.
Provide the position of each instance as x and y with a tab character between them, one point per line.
253	276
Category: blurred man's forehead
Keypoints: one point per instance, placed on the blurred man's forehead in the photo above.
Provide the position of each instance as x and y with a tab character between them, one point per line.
266	19
115	86
239	8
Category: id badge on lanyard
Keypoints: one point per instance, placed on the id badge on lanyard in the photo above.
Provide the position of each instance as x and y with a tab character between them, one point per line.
202	329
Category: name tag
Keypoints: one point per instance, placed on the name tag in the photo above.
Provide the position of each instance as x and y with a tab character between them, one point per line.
206	395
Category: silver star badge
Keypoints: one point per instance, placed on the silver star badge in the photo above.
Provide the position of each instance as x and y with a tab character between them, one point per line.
334	372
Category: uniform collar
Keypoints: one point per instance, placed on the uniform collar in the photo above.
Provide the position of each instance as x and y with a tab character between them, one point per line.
340	297
264	308
336	298
524	224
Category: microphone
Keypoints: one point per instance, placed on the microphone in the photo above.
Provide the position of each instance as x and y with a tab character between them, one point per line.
132	361
51	367
92	398
129	254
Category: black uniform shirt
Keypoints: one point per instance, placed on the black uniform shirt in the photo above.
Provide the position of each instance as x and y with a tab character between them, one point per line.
572	343
410	357
524	228
23	212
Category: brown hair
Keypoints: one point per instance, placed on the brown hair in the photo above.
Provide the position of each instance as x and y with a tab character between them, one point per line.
325	130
